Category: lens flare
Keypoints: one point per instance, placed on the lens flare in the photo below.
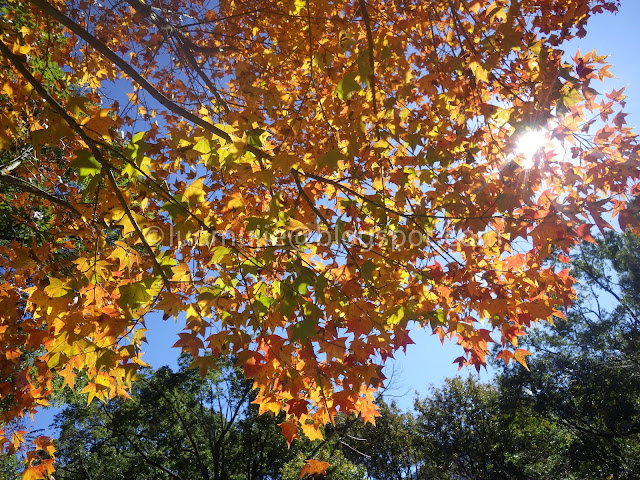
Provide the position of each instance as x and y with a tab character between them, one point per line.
529	144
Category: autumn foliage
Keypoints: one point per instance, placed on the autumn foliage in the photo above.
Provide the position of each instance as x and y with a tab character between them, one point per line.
298	181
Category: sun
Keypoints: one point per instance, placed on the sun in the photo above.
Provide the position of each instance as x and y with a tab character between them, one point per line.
529	144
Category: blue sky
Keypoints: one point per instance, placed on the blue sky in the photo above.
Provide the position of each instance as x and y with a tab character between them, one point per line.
428	362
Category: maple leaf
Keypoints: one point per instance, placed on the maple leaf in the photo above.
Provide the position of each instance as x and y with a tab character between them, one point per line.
56	288
32	473
314	467
289	430
195	193
298	407
297	217
584	232
520	355
311	431
45	443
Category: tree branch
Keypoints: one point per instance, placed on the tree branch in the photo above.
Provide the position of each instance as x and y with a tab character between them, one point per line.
25	186
185	43
372	78
110	55
38	87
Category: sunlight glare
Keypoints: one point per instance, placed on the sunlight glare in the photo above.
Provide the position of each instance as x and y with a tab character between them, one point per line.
529	144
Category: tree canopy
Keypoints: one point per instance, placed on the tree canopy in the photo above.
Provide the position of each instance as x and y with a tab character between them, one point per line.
574	414
177	426
180	426
298	180
585	375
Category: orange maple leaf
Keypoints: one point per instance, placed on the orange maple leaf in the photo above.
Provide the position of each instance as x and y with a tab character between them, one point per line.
314	467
